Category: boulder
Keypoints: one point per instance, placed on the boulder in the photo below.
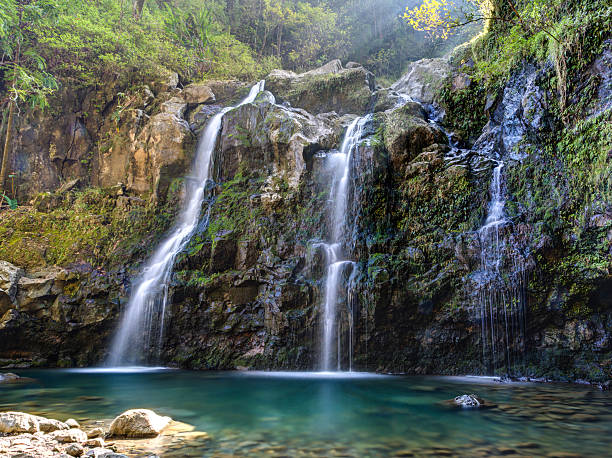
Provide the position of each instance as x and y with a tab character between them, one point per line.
175	106
95	442
9	278
325	89
18	422
469	401
69	435
37	289
198	93
162	152
73	423
96	432
9	377
280	140
406	133
423	79
138	423
49	425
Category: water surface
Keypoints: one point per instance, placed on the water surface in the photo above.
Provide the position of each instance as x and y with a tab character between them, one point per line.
332	414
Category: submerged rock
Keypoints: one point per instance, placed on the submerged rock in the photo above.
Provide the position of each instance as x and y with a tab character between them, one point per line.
137	423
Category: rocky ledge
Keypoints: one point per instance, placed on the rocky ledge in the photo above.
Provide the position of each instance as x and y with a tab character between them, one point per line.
22	434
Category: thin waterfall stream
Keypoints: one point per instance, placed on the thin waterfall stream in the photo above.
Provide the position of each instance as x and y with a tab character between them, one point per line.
336	256
500	294
139	336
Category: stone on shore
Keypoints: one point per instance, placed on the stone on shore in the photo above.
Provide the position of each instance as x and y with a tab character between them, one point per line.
48	425
18	422
69	435
75	450
96	432
100	452
138	423
73	423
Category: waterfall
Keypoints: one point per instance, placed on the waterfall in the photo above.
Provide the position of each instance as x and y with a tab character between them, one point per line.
141	329
337	263
501	291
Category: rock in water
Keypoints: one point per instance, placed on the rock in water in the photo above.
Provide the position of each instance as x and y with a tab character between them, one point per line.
8	378
18	422
469	401
138	423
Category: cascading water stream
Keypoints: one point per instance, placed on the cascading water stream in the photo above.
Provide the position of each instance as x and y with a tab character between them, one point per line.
500	296
141	329
340	165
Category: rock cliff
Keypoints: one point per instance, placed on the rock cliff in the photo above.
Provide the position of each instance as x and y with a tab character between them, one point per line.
247	290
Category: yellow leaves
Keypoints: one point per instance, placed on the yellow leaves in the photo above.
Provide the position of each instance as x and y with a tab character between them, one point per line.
433	17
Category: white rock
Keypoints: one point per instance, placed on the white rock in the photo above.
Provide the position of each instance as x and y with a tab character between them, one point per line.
18	422
73	423
423	79
138	423
69	435
49	425
468	401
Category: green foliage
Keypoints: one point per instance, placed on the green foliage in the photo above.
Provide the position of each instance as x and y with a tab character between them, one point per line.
22	67
12	203
84	226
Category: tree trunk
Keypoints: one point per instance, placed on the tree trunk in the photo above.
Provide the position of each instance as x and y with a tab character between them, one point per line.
6	156
279	40
138	5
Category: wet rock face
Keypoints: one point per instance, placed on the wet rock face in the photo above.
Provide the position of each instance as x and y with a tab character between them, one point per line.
521	114
424	78
325	89
273	138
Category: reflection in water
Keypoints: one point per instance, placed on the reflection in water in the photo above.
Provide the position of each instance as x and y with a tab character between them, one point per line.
358	415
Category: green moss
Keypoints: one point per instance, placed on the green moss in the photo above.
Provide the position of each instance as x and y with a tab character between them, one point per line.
82	226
